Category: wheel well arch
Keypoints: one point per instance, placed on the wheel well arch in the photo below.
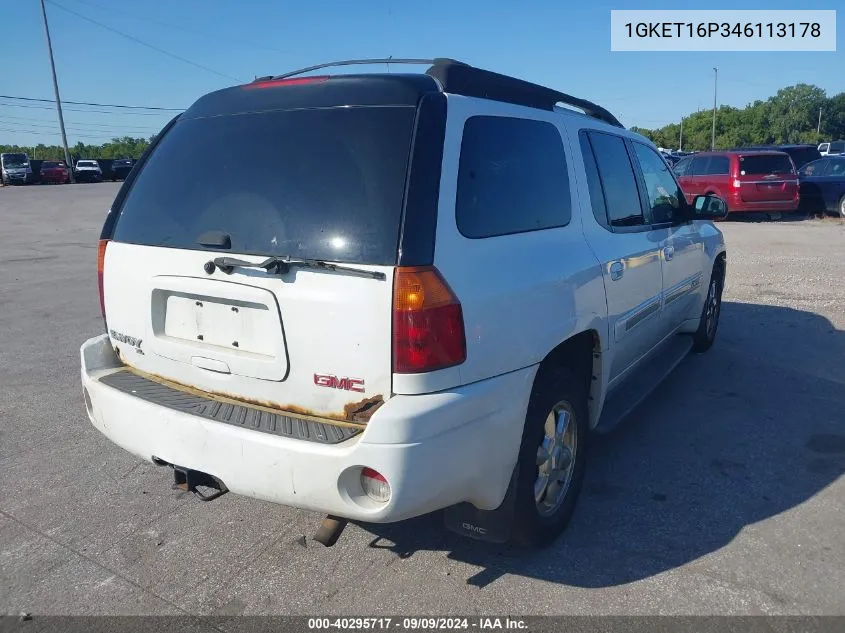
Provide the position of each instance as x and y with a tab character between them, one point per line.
581	353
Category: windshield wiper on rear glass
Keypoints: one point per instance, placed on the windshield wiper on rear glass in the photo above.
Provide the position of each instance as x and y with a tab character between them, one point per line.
282	265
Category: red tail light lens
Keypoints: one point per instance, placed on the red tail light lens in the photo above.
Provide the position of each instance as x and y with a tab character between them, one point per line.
428	323
274	83
101	259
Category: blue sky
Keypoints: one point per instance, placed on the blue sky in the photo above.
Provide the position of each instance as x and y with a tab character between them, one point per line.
562	44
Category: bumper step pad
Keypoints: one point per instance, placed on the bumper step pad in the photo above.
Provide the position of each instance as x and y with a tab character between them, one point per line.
243	416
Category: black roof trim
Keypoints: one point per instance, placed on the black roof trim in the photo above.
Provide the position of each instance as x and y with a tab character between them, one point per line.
458	78
462	79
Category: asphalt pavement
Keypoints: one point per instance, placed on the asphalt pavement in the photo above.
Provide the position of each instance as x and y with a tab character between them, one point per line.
722	494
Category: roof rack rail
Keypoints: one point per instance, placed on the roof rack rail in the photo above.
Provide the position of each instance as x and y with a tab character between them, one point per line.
350	62
460	78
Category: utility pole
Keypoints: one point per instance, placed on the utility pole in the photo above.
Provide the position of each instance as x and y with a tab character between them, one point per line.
713	133
819	128
56	89
681	139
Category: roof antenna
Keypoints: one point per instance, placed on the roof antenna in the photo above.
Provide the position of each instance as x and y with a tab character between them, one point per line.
387	63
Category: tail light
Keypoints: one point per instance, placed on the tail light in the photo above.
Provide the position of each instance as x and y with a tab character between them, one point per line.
375	485
274	83
101	259
428	323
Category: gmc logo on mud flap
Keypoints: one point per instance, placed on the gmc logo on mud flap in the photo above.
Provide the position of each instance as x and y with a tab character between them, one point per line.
333	382
469	527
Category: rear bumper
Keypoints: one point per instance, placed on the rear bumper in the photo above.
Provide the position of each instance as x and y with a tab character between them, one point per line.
435	450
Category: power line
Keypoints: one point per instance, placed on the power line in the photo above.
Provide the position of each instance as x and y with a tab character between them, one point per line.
70	126
42	132
142	42
88	103
40	107
184	29
134	127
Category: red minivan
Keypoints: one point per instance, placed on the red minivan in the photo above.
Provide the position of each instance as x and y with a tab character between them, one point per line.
748	181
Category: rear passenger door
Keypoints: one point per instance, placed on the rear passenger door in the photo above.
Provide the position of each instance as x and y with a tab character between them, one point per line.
627	247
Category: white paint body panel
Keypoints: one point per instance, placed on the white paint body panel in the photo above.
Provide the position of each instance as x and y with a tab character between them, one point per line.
440	438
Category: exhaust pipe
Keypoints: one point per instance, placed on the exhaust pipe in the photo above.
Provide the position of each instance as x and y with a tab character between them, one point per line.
330	530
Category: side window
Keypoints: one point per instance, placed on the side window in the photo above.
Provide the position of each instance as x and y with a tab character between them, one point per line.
718	166
682	167
619	184
664	195
512	177
835	169
699	166
816	168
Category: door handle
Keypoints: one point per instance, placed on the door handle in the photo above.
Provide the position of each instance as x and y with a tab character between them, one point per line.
617	269
668	252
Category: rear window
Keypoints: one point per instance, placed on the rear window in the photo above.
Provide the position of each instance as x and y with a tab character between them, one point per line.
762	164
323	183
837	148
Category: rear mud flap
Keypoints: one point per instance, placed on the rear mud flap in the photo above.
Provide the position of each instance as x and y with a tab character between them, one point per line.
492	526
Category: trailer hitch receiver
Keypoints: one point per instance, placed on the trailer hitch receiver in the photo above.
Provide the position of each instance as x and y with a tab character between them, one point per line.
189	480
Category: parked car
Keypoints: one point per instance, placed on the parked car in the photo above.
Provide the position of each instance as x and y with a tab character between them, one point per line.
823	185
15	169
800	154
87	171
749	181
832	149
121	167
54	171
365	326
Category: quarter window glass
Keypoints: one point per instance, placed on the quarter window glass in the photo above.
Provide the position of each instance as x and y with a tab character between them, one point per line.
512	177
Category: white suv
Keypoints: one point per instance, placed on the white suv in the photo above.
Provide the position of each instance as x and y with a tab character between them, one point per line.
395	293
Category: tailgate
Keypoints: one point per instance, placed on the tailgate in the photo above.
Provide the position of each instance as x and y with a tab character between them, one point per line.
767	178
309	342
316	184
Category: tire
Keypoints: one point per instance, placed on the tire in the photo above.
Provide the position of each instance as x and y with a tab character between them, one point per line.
538	523
708	325
841	207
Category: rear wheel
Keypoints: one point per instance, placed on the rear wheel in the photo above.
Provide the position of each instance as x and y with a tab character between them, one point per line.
842	207
552	457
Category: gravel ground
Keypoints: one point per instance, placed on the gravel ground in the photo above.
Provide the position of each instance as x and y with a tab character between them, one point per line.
722	494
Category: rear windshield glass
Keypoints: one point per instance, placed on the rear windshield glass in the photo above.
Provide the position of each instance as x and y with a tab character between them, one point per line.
764	164
313	183
835	148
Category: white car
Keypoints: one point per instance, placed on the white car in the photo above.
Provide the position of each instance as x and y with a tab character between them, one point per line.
832	149
87	171
423	302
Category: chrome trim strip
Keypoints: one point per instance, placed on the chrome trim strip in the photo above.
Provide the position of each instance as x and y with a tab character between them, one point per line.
685	287
634	317
768	182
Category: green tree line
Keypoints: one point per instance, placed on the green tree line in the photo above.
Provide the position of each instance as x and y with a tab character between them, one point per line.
790	116
123	147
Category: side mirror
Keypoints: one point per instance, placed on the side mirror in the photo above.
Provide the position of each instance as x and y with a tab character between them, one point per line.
709	208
